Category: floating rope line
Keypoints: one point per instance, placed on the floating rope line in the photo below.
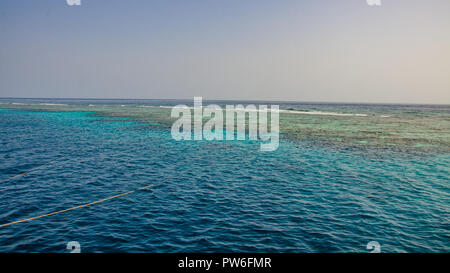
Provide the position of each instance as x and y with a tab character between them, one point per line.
38	167
31	170
74	208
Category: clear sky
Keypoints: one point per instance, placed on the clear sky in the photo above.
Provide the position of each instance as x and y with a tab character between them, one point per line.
313	50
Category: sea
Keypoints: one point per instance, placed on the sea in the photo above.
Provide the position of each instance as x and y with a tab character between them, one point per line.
343	175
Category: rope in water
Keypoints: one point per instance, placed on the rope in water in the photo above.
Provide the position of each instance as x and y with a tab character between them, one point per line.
64	210
31	170
35	168
74	208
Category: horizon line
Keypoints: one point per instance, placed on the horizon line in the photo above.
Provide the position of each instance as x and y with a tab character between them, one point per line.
249	100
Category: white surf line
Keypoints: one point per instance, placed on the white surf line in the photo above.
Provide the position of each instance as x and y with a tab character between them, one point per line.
298	112
319	113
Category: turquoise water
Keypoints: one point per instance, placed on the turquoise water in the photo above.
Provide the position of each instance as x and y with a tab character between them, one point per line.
334	184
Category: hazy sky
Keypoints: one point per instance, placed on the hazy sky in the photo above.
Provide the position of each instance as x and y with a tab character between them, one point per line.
314	50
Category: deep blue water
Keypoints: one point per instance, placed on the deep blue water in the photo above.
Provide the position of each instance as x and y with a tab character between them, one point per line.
209	196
